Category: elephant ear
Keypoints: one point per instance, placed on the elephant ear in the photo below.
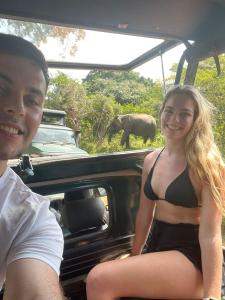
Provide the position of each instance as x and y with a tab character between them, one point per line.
125	119
117	119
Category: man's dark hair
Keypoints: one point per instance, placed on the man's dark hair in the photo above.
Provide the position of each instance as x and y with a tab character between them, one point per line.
14	45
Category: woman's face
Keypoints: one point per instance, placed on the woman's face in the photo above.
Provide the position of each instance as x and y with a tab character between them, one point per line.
177	117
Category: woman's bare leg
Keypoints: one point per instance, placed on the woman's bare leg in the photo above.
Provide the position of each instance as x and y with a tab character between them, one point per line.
159	275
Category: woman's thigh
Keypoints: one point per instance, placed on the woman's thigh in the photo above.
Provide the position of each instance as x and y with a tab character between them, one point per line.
165	275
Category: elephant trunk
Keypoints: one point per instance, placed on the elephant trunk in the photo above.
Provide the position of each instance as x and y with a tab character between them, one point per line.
109	138
113	128
110	134
153	132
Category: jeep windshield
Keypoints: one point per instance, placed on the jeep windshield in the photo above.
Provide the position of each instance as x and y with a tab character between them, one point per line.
54	136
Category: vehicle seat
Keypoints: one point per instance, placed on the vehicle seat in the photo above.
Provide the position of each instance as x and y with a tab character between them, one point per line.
82	212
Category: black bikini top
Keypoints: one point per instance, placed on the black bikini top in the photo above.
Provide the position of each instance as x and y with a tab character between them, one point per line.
180	191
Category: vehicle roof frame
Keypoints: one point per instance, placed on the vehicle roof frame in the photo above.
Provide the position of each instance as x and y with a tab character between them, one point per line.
149	18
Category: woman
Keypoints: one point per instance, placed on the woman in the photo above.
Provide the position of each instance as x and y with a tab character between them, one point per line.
182	198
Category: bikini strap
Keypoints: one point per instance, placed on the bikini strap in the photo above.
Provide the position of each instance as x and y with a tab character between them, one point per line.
152	168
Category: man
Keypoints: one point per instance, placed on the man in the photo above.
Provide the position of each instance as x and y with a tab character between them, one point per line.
31	241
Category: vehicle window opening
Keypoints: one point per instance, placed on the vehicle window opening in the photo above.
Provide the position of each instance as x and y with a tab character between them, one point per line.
81	211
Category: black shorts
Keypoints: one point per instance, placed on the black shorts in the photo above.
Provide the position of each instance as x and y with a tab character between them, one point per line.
181	237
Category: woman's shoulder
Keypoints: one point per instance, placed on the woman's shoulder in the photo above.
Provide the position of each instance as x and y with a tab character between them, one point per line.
150	159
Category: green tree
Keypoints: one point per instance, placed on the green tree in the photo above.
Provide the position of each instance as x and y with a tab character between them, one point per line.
100	110
125	87
212	86
67	94
150	104
37	33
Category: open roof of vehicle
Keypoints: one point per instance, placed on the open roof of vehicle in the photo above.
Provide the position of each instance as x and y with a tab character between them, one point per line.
172	20
152	18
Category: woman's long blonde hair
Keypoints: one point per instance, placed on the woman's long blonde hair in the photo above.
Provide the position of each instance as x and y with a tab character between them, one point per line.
203	155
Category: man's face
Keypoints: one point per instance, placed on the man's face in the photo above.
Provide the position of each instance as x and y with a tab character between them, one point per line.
22	92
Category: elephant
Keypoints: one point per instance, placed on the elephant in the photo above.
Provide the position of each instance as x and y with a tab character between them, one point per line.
138	124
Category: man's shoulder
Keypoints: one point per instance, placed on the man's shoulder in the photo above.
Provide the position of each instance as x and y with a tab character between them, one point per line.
19	196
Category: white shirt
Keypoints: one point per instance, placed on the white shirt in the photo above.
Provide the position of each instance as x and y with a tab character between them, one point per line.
27	227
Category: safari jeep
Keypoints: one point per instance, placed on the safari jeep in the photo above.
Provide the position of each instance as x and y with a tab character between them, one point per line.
54	137
95	198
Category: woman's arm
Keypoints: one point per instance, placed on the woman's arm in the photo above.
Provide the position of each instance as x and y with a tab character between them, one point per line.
211	244
144	214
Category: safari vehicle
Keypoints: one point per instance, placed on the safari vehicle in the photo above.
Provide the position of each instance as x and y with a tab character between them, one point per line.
200	25
54	137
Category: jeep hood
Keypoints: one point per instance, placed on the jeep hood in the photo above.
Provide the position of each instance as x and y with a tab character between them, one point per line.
55	149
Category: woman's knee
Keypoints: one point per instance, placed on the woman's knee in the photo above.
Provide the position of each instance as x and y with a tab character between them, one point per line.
98	278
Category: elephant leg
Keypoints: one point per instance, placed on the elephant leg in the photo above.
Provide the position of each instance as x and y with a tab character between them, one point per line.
125	139
128	142
145	139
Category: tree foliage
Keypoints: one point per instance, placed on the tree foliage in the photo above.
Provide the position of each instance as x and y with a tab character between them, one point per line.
124	87
69	95
99	112
92	110
39	33
212	86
